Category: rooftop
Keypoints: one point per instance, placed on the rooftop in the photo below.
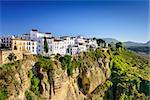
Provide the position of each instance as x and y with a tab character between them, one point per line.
34	30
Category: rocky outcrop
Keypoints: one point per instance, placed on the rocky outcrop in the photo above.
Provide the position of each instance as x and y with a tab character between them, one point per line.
55	84
93	76
20	79
60	87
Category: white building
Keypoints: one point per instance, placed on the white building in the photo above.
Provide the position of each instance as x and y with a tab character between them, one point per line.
39	37
6	41
91	44
34	34
59	45
0	42
56	46
76	49
79	39
62	45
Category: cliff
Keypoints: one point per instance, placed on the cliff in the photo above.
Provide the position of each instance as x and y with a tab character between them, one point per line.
83	76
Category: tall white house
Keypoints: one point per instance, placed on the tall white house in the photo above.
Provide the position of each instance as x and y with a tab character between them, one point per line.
39	37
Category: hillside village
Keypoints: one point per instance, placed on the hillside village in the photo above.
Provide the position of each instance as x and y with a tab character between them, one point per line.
44	43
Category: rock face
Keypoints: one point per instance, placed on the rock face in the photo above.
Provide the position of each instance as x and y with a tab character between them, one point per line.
21	82
55	84
61	86
93	76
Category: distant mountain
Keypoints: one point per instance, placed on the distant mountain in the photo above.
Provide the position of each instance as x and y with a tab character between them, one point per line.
131	44
128	43
109	40
147	43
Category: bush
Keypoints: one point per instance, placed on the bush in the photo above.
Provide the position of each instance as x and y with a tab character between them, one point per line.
44	62
12	57
65	61
30	74
28	96
145	87
35	85
3	94
98	54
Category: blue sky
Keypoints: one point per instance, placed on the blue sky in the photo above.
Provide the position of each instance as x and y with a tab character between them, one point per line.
125	20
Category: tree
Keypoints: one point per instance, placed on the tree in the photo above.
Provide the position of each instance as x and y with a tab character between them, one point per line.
94	38
45	45
12	57
119	45
67	64
109	45
100	41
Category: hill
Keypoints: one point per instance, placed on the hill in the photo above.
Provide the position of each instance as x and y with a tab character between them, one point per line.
131	44
109	40
101	74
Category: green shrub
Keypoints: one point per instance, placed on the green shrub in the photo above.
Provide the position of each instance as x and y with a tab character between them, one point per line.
99	54
67	64
3	94
145	87
35	85
28	96
30	74
44	62
12	57
65	61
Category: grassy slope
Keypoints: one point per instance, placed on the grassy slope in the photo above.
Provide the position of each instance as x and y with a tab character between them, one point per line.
130	76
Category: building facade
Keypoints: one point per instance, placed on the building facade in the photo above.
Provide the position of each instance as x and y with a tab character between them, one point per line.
33	42
6	41
24	46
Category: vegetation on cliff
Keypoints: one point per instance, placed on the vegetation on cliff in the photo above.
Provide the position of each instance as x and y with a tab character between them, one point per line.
112	73
128	72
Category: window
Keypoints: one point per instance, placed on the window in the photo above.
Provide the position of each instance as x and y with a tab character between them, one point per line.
33	43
